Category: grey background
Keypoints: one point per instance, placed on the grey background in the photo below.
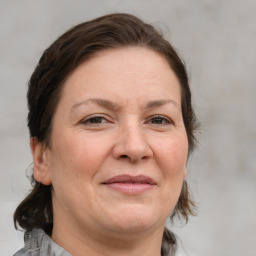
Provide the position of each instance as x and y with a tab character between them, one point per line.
217	39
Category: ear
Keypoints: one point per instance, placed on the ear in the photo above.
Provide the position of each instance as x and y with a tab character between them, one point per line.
185	173
40	161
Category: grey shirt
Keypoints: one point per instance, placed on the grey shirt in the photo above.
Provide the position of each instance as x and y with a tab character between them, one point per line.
38	243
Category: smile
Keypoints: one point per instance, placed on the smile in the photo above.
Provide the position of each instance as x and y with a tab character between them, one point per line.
131	185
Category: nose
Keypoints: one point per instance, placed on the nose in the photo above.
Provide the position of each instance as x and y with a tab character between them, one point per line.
132	144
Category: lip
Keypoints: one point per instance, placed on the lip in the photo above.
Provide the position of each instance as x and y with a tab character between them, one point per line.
129	184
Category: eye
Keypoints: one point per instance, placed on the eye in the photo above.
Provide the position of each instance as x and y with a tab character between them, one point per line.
160	120
94	119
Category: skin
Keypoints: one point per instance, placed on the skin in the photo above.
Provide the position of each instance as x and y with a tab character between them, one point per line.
141	132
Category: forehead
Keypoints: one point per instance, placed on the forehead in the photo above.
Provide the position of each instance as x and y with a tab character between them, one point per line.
128	59
133	71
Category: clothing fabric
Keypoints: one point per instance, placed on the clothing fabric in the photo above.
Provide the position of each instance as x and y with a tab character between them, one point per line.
38	243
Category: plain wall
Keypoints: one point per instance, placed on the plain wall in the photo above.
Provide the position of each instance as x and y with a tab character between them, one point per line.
217	40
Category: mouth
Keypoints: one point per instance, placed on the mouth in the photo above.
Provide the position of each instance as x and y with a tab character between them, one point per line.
132	185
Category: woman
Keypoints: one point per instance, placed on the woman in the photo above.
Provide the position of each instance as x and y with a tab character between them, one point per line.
111	127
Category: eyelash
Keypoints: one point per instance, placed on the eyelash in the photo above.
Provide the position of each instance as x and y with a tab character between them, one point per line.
163	118
92	117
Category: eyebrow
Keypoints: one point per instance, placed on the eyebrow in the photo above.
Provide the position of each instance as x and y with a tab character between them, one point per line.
113	106
101	102
159	103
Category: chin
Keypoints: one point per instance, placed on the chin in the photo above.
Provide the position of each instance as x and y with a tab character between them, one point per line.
135	220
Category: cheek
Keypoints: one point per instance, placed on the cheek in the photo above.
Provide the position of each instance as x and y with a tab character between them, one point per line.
76	157
172	155
172	159
73	165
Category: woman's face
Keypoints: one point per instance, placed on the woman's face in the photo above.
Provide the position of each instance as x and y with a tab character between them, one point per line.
118	144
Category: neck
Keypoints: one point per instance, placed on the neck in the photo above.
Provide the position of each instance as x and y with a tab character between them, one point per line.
78	242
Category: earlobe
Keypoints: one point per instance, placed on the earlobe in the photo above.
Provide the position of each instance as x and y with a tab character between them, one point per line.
40	161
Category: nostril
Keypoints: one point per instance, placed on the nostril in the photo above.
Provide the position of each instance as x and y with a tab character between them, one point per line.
123	156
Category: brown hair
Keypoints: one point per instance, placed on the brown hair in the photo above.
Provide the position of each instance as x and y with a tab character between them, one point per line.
45	87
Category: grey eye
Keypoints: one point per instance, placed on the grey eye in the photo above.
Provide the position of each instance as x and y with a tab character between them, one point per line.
159	120
96	120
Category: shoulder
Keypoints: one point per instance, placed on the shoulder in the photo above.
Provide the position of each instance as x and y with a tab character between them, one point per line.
172	245
38	243
21	252
182	250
